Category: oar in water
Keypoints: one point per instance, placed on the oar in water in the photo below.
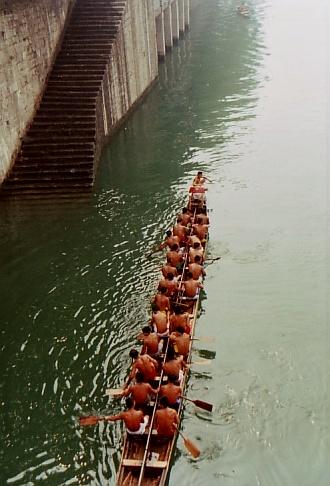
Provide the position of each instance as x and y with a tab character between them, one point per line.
91	420
190	446
200	403
212	260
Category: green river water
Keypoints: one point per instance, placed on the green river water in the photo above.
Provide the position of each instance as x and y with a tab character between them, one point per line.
246	101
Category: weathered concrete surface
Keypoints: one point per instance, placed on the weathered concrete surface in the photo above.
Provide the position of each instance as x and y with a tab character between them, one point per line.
29	36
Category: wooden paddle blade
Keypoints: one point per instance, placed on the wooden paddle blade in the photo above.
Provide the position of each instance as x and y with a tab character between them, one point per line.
204	405
91	420
114	392
191	447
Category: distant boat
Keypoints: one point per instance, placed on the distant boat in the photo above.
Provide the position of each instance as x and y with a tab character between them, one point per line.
243	10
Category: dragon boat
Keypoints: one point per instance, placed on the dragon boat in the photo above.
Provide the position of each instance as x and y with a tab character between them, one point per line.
146	459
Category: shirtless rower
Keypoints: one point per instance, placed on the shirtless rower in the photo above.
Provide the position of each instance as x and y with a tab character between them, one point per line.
174	257
180	231
170	283
172	391
159	321
196	269
191	287
194	239
161	299
134	420
202	214
140	391
185	217
200	230
181	342
150	342
145	364
165	417
169	240
179	319
166	269
196	249
174	365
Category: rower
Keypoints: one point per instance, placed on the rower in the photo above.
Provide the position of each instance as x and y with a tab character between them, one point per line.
159	321
145	364
166	269
196	269
185	217
179	319
174	257
200	230
172	391
196	249
150	342
166	419
140	392
191	287
181	342
174	365
180	231
161	299
169	240
202	214
134	420
170	283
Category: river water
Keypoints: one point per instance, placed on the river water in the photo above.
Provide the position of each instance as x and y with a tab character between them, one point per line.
243	99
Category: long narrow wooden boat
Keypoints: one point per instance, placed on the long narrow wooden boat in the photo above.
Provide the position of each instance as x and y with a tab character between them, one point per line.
146	459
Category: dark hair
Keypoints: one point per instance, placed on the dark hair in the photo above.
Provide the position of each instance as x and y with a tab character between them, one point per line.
139	377
197	258
154	307
199	172
133	353
170	276
168	233
170	354
184	210
129	402
146	330
177	309
180	329
164	402
162	289
189	275
199	221
172	378
174	247
196	245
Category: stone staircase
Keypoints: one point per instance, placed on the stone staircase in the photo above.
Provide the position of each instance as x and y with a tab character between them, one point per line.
59	152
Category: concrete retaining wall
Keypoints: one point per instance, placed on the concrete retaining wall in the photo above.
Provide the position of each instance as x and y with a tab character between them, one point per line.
133	64
29	35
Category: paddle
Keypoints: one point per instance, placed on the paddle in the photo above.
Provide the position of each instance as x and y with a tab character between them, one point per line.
91	420
199	403
114	392
212	260
190	446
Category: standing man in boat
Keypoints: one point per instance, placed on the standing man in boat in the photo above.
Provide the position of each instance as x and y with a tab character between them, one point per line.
134	420
166	419
200	179
145	364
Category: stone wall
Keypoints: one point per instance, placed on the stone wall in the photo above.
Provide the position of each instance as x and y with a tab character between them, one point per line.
133	64
30	32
